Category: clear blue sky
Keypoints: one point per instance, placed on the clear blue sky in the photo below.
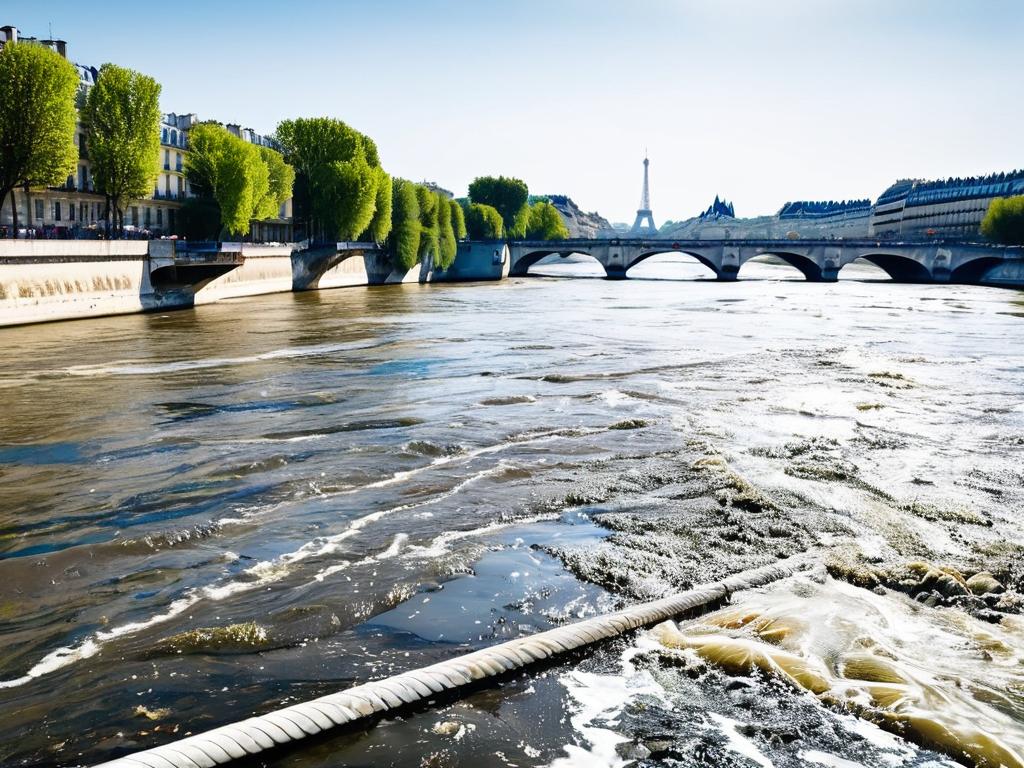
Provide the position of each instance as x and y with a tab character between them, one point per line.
758	101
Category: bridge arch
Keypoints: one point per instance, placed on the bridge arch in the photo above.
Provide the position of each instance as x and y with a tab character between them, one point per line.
807	266
901	269
525	261
700	258
974	270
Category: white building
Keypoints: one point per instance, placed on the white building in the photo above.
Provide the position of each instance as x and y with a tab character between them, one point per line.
75	209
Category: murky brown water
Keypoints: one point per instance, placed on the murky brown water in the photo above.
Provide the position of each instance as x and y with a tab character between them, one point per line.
207	514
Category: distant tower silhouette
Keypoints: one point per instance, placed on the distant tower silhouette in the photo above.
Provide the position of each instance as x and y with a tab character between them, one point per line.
644	213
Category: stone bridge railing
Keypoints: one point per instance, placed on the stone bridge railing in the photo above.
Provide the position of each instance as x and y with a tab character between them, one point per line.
817	259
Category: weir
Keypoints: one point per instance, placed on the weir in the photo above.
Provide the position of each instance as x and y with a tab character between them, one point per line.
284	726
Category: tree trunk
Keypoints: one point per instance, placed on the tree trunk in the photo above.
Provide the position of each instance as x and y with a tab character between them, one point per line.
106	214
14	207
28	209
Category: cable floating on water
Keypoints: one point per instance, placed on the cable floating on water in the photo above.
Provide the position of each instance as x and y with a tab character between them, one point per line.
274	729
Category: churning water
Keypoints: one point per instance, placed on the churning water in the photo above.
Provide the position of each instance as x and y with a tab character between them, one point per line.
211	513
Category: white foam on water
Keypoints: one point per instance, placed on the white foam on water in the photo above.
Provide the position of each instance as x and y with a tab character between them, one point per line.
614	398
824	758
259	575
54	661
533	438
143	368
440	545
598	701
737	742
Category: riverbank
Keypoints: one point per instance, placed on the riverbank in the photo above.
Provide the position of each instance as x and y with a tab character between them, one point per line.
49	280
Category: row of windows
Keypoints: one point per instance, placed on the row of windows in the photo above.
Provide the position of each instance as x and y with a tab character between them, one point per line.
173	137
177	161
61	211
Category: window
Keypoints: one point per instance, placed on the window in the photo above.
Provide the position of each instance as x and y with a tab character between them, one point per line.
135	215
181	186
56	210
149	216
167	159
177	161
39	209
83	178
174	137
163	135
160	217
71	212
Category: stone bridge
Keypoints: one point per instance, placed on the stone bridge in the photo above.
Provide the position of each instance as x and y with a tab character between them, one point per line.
818	260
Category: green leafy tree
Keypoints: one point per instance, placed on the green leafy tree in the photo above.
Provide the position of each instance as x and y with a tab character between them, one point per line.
447	245
405	224
1004	221
520	223
247	182
122	121
545	223
341	174
458	220
242	184
506	195
281	181
429	232
37	119
380	225
483	222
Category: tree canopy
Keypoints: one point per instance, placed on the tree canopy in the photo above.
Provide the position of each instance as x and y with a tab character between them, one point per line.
341	176
458	220
424	226
281	178
405	224
483	222
1004	221
447	245
247	182
506	195
37	119
122	120
545	223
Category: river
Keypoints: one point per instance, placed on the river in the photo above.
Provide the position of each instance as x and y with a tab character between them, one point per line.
208	514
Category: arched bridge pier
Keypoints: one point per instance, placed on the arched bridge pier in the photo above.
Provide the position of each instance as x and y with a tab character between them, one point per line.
818	260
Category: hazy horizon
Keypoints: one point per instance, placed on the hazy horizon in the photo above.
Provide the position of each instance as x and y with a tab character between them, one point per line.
759	105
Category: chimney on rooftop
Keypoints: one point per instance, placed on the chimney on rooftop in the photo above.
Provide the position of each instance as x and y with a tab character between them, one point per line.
8	34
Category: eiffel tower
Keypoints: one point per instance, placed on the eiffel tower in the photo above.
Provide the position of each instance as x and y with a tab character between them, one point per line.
644	214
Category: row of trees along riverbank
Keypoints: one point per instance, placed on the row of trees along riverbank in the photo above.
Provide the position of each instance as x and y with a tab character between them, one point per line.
332	172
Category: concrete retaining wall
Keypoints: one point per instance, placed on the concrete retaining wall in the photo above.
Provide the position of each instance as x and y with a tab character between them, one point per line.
267	269
477	261
43	280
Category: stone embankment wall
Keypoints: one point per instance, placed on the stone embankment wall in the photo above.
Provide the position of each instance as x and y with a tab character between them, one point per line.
44	280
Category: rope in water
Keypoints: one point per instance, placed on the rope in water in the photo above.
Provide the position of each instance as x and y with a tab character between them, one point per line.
274	729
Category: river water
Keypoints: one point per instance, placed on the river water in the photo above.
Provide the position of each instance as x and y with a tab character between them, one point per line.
208	514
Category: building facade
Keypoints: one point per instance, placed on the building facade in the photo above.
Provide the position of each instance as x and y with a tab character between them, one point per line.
75	210
952	208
